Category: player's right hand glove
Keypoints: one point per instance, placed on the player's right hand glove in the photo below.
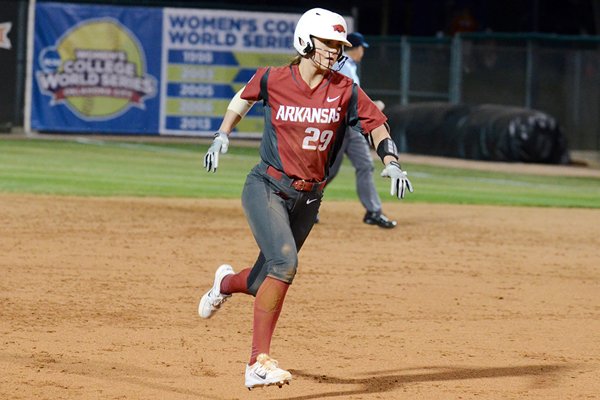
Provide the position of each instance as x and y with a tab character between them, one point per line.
399	179
220	144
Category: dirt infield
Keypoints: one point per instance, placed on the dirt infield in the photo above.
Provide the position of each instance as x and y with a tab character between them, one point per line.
98	300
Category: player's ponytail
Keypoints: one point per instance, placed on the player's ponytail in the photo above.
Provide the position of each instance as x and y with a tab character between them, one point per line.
296	59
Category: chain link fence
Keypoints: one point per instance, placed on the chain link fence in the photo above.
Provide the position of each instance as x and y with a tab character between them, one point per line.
555	74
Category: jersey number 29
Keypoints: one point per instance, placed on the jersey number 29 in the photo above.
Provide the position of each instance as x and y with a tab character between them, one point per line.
316	140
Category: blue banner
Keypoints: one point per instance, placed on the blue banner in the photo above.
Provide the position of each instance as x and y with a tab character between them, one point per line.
148	71
96	69
208	56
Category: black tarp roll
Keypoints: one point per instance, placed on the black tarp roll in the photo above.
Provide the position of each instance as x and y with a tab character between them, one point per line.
480	132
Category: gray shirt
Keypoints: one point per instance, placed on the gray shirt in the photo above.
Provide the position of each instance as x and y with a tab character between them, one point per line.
350	69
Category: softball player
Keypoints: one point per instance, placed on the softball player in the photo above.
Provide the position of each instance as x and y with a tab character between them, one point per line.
307	109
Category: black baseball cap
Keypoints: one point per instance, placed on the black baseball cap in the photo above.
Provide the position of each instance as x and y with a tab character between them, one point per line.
357	39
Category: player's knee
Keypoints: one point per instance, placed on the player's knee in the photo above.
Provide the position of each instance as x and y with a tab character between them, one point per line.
287	275
285	268
283	273
287	272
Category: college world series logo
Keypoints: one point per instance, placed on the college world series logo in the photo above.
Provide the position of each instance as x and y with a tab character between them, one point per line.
97	69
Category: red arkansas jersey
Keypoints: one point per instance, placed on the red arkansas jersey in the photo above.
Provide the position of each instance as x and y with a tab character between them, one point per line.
304	127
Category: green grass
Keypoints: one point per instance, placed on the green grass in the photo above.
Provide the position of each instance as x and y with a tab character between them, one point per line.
114	168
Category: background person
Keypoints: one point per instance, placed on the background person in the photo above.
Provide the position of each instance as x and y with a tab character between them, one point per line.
307	109
357	148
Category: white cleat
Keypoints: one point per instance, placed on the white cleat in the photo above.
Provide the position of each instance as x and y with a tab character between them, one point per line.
266	372
212	300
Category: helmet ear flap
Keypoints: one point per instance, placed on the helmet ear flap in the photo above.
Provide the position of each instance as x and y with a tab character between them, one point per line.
309	45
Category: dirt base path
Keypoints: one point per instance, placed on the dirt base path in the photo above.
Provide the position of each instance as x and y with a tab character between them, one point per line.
98	300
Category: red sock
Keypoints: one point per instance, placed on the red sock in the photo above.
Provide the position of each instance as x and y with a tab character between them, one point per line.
236	283
267	307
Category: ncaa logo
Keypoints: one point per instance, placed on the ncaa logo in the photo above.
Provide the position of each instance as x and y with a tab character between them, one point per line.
49	59
4	40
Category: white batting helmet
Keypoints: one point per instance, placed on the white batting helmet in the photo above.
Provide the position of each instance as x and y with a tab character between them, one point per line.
322	24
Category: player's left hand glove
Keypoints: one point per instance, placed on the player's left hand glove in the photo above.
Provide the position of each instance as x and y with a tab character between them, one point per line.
399	179
220	144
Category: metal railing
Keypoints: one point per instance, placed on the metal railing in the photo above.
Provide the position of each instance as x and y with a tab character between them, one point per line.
559	75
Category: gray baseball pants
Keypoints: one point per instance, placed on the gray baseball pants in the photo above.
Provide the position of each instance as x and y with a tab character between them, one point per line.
280	218
359	152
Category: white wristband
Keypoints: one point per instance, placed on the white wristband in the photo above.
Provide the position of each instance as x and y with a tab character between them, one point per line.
239	105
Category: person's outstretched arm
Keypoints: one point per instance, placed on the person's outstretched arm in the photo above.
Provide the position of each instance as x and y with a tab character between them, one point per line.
236	110
388	152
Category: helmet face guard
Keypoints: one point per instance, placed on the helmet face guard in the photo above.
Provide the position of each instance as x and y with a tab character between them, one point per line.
322	24
317	57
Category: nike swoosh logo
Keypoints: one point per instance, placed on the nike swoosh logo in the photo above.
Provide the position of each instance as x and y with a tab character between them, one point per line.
261	376
329	99
311	200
